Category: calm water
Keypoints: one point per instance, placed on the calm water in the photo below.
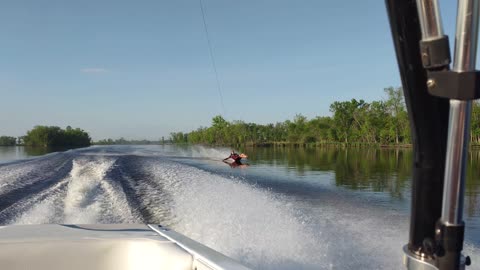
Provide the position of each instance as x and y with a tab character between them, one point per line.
290	208
12	153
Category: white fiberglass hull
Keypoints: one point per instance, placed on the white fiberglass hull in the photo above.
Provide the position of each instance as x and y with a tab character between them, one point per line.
101	246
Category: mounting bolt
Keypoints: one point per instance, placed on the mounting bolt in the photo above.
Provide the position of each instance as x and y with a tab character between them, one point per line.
431	83
425	58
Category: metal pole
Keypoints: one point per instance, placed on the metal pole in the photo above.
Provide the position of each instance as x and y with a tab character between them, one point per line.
458	136
436	228
430	20
460	112
450	230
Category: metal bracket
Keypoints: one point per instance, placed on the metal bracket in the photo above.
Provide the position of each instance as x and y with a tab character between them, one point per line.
454	85
449	239
435	53
443	82
415	262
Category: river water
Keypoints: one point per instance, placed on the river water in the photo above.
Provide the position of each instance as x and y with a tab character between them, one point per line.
290	208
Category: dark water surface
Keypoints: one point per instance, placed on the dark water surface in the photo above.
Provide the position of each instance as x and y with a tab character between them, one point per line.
290	208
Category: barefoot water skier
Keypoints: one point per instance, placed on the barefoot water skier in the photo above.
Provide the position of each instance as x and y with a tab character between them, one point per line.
235	157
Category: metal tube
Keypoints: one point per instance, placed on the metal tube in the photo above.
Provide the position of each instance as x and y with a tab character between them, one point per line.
430	20
460	111
458	136
466	35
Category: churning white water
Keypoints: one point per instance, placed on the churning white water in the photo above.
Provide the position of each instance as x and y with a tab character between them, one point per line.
262	226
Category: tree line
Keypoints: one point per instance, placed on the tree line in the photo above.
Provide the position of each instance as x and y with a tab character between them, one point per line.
7	141
47	136
123	141
354	122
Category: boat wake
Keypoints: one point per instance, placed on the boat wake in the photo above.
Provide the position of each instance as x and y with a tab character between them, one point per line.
258	226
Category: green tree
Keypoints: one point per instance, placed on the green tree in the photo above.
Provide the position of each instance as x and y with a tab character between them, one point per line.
55	136
7	141
475	123
343	116
396	106
378	122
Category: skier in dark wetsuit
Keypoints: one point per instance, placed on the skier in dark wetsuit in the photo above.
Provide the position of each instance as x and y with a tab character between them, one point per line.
236	157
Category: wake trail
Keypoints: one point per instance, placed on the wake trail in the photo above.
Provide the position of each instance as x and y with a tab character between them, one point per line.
145	197
93	198
275	224
18	181
83	195
237	219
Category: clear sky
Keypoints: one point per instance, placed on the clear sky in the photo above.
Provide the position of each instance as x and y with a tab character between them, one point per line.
141	69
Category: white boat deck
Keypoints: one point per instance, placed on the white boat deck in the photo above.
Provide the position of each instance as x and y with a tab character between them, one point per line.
113	246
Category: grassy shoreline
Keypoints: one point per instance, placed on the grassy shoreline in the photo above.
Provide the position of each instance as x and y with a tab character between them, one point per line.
307	145
318	145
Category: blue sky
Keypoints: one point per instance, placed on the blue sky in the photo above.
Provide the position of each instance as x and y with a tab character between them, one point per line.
141	69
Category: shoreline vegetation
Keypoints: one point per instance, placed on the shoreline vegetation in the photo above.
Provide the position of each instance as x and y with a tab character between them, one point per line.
58	138
123	141
355	123
50	136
